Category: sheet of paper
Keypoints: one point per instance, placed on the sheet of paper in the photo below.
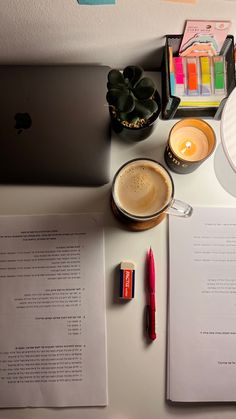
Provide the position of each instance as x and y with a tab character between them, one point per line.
52	311
202	306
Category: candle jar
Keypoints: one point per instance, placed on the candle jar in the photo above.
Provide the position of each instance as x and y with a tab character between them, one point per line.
191	141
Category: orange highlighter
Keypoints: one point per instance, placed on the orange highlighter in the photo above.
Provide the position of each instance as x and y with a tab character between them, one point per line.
192	77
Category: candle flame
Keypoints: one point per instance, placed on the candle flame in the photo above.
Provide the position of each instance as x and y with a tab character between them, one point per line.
187	147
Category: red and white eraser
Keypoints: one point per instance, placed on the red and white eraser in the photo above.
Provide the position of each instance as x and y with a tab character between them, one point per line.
127	280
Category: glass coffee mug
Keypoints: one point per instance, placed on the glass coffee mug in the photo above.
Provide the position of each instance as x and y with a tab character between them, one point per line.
143	194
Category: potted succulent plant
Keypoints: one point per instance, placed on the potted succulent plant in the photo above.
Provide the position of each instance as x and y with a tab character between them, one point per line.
134	103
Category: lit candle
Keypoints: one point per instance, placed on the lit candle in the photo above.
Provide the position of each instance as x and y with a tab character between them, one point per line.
190	142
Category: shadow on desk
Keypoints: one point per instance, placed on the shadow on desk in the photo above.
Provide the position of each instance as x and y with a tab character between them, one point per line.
224	172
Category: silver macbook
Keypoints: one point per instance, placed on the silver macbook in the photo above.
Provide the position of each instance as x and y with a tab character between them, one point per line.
54	125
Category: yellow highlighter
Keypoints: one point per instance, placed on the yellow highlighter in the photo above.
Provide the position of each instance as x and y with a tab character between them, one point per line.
205	66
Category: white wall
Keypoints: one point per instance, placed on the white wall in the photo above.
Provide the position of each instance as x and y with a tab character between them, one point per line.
43	31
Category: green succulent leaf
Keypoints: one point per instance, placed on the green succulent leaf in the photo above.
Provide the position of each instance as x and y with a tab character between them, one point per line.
146	108
145	88
119	86
124	116
115	77
133	74
130	117
125	102
114	94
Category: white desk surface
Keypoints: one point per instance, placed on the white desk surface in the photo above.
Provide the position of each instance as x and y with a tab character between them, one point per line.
136	369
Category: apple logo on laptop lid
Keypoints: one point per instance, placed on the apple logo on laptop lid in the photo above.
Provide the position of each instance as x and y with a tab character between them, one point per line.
23	121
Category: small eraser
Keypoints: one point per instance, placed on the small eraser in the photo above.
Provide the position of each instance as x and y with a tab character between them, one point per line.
127	280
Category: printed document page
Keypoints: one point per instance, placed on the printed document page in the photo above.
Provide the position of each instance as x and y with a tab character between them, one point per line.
202	306
52	311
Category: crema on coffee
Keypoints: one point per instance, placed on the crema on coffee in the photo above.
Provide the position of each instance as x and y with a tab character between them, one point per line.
142	188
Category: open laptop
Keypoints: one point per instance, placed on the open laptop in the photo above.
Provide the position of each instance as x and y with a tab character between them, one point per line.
54	124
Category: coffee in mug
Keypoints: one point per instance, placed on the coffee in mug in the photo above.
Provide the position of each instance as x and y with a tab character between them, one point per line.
142	194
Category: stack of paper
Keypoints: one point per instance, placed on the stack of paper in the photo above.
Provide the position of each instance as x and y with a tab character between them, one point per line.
202	308
52	311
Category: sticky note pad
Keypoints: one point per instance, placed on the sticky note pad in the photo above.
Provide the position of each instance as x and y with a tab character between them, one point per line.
192	72
219	67
205	65
96	2
183	1
206	78
192	82
219	81
192	69
219	74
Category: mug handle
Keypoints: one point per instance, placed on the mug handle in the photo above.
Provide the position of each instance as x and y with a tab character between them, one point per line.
179	208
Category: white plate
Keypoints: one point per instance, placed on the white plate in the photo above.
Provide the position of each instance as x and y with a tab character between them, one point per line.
228	129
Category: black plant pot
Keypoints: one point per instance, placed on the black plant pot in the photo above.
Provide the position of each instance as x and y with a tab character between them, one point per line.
137	134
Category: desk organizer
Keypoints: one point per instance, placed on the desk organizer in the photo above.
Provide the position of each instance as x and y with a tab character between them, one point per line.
170	104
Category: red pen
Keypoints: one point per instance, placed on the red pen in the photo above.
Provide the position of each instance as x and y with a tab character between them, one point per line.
151	289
